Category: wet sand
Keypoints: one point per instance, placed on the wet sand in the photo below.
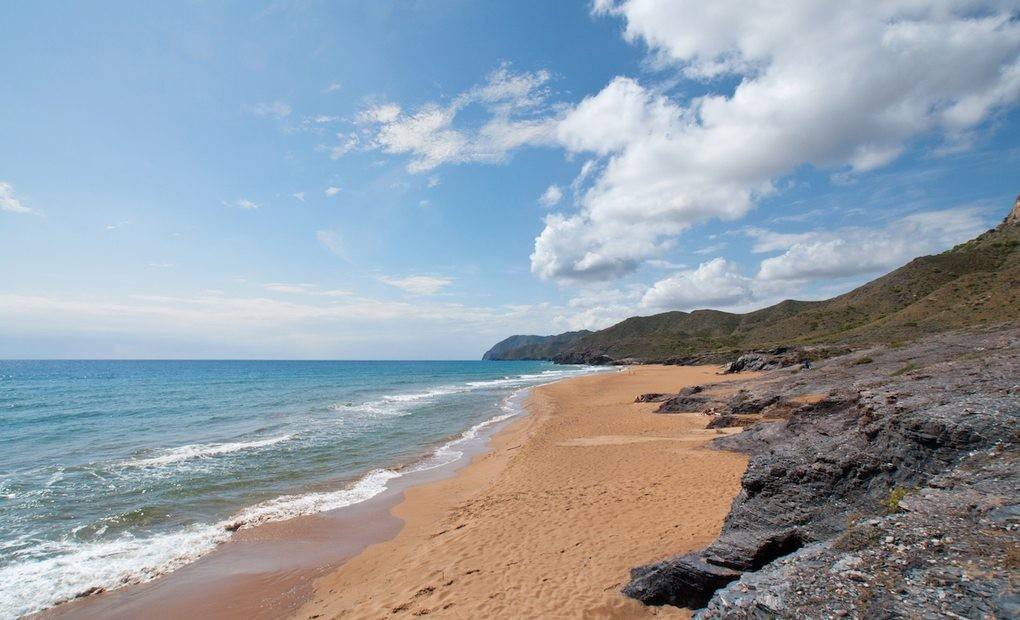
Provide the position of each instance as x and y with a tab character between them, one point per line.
550	520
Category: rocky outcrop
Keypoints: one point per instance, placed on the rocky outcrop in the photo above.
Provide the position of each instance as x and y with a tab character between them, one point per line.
764	360
888	427
946	551
688	399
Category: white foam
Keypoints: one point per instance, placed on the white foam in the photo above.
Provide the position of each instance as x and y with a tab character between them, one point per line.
34	584
397	404
203	451
290	506
75	568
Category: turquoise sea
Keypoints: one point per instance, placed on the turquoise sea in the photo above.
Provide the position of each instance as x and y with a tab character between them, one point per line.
114	472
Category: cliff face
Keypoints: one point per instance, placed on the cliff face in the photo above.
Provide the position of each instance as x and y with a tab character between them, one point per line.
893	496
975	283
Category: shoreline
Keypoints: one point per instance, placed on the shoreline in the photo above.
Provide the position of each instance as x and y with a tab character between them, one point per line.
293	567
266	570
549	520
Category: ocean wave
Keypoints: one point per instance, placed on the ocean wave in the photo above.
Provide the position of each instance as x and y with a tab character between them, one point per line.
398	404
290	506
78	568
203	451
57	571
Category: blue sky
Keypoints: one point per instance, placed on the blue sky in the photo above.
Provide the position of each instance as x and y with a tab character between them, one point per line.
419	179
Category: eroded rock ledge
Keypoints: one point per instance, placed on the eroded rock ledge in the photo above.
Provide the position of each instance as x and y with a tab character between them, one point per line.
895	493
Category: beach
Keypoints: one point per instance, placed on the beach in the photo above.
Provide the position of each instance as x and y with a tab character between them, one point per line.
549	521
543	516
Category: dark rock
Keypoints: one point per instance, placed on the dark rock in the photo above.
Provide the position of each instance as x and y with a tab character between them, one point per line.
686	400
688	581
653	397
730	420
836	462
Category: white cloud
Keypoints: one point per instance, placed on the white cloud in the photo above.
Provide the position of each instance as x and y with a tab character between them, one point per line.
433	181
241	203
843	86
332	191
299	195
424	204
857	251
418	285
116	226
283	287
381	113
278	109
9	202
331	241
348	142
551	196
516	116
717	283
333	87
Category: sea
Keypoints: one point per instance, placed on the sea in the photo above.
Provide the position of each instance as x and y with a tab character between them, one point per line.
116	472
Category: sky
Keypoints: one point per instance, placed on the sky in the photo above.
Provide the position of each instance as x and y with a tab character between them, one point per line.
417	180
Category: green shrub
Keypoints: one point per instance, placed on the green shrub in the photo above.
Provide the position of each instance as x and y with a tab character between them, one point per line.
892	502
905	369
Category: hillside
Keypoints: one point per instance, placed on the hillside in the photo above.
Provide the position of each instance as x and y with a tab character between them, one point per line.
974	283
532	347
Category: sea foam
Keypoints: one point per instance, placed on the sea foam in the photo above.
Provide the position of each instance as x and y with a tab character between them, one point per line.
203	451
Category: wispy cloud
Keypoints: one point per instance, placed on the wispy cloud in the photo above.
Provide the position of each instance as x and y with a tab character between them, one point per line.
332	87
9	202
331	241
299	195
432	135
283	287
332	191
278	109
241	203
551	196
419	285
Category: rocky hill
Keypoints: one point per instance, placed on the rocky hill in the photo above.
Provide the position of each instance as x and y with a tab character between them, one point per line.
532	347
974	283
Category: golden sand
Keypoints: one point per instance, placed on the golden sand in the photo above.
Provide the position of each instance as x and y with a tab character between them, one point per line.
548	523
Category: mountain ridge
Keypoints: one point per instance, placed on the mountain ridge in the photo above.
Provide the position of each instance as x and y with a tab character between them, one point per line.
973	283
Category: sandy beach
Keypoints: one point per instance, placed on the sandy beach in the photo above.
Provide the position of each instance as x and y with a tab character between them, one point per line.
550	520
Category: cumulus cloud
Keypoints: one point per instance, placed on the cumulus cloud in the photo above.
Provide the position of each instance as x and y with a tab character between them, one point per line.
842	86
514	104
856	251
717	283
9	202
551	196
418	285
332	191
278	109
